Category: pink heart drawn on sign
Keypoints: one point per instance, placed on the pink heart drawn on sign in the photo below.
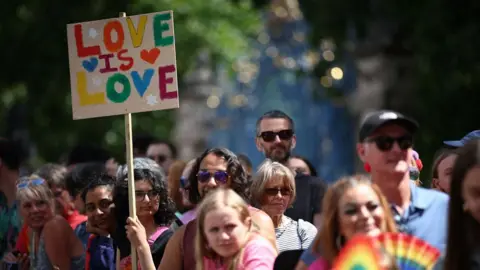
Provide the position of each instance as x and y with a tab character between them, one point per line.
150	56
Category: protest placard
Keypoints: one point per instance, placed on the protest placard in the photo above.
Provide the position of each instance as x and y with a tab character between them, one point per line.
123	65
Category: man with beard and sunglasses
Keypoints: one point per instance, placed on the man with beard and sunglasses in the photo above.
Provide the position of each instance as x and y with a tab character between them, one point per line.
276	139
385	147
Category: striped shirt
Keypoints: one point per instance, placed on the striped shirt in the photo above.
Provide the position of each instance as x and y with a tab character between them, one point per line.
292	235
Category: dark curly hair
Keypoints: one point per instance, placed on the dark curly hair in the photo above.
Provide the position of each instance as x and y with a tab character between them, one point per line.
103	180
144	170
238	176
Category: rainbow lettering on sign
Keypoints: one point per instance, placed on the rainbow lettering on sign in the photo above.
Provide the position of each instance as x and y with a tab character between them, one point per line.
123	65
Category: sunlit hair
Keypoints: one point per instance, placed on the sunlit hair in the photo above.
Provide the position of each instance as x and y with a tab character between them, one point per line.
217	199
34	192
174	174
268	171
54	174
439	157
463	230
326	241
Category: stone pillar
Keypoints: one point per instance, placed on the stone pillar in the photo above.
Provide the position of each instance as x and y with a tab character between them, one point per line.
193	116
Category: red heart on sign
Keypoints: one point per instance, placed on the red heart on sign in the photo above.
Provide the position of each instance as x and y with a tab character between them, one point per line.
150	56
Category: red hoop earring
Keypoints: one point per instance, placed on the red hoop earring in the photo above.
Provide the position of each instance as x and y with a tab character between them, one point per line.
367	167
419	164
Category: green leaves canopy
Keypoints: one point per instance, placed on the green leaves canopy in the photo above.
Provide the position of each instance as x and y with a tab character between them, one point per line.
35	62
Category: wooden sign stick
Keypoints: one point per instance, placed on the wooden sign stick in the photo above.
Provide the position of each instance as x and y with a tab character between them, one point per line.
131	180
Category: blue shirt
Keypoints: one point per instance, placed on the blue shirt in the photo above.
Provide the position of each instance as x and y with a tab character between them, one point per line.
81	233
102	253
425	218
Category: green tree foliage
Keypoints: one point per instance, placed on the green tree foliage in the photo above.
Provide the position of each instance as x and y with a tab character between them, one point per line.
34	55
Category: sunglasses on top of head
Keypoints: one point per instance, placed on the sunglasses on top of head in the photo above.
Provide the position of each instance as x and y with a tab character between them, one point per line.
385	143
33	182
219	176
270	136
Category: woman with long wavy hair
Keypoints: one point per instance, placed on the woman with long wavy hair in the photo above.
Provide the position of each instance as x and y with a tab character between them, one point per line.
351	206
463	244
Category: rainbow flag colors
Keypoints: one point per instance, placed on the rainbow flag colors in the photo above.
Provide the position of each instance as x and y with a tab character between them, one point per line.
369	253
360	253
410	252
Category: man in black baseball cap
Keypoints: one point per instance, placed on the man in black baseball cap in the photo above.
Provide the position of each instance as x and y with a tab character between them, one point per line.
377	119
385	147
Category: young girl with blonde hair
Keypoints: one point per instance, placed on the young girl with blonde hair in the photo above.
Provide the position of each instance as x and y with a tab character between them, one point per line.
226	239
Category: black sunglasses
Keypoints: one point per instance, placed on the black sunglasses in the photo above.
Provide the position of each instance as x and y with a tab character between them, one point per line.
270	136
219	176
274	191
385	143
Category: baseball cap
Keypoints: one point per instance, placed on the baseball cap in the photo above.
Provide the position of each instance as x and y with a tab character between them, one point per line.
377	119
470	136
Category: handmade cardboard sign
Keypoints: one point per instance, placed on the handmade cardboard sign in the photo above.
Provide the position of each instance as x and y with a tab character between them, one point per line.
123	65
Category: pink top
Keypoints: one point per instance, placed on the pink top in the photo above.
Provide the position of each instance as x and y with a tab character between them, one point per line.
258	254
319	264
126	263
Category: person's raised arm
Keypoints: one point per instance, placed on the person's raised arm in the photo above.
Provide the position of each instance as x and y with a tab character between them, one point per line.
138	237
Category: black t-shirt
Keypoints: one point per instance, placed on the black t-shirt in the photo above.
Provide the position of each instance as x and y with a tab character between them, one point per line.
308	202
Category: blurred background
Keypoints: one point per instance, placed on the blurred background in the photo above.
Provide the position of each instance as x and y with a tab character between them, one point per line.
325	63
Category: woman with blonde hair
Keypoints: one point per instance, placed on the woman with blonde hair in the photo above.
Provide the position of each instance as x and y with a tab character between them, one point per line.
226	239
351	206
53	244
273	191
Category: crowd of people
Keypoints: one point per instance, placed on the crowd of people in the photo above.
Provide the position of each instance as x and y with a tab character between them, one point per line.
216	211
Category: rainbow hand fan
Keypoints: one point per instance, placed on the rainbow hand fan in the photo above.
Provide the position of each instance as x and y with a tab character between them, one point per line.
360	253
411	253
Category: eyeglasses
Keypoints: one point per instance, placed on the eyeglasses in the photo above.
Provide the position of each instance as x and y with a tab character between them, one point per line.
275	191
33	182
385	143
140	195
158	158
219	176
270	136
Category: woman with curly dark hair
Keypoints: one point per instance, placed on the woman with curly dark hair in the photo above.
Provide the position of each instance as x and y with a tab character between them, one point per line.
215	168
234	175
155	209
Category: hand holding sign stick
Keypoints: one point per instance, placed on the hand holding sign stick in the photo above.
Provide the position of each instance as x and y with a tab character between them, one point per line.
123	66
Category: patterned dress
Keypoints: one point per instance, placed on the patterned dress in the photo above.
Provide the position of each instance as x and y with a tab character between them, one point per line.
10	225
